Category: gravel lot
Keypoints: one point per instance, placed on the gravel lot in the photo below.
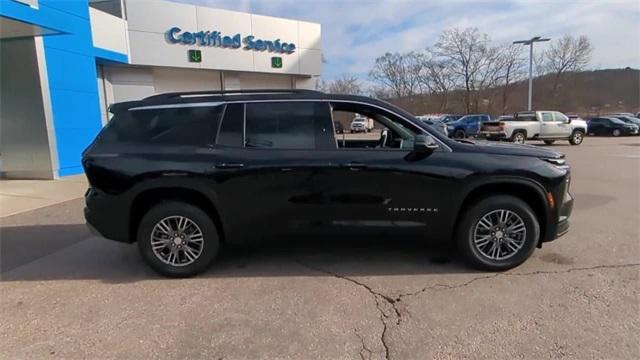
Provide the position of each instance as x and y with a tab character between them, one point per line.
67	294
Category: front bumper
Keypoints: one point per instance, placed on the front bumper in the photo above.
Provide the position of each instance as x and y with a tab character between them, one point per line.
560	224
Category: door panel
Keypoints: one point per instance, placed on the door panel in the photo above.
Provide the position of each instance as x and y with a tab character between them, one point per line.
264	165
364	189
266	192
549	126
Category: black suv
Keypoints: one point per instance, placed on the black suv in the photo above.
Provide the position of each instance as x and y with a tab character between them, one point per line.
184	173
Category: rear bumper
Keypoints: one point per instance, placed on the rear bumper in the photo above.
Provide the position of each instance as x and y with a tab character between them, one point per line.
492	135
105	217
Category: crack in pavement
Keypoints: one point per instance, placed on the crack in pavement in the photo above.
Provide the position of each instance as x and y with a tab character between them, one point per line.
365	350
537	272
393	302
376	296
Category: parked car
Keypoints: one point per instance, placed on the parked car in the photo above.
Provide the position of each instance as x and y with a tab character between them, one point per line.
360	124
447	118
611	126
435	123
337	125
627	119
182	174
468	125
536	125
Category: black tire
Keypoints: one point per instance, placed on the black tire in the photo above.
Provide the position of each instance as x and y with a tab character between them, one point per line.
549	142
211	241
459	134
577	137
519	137
473	215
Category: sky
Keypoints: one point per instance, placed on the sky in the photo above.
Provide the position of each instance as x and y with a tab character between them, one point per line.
355	32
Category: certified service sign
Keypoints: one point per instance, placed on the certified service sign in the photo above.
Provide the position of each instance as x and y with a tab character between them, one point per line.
175	35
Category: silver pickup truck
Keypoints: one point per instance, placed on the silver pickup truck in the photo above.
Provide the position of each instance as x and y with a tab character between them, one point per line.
536	125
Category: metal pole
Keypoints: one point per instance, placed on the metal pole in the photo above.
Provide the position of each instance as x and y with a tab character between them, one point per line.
530	43
530	74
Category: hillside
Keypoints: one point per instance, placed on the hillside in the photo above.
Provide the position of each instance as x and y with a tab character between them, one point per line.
587	93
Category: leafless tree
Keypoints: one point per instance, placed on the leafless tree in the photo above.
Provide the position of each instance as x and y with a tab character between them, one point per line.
345	84
437	77
466	51
399	73
567	54
513	68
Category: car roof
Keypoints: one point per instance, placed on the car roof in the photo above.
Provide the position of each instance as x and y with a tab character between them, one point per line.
195	97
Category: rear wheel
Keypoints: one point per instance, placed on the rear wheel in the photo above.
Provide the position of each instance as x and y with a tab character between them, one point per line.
498	233
459	134
616	132
518	137
549	142
177	239
576	137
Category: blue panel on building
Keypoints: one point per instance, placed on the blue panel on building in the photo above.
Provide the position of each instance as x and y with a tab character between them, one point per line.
72	81
71	69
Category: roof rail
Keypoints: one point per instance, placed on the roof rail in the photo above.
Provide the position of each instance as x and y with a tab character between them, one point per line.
173	95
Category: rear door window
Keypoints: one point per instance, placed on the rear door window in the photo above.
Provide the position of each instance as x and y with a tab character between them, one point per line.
284	125
179	126
232	127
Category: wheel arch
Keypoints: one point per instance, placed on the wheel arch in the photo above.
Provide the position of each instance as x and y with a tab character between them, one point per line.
528	191
148	198
526	134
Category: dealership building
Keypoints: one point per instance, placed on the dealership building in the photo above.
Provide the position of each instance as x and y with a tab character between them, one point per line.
63	62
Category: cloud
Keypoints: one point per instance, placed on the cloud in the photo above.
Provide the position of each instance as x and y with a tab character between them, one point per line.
355	32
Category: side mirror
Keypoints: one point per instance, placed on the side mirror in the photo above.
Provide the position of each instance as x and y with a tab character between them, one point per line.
423	146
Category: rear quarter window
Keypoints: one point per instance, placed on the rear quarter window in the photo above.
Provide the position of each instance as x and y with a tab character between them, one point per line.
180	126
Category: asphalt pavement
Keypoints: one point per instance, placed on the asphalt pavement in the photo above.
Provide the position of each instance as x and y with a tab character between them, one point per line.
67	294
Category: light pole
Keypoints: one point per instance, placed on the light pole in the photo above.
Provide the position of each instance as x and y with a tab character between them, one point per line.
530	43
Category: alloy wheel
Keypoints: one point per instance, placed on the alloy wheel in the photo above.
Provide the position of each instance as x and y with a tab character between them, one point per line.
577	137
519	138
177	241
499	234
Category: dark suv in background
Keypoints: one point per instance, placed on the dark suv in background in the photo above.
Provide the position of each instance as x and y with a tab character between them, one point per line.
184	173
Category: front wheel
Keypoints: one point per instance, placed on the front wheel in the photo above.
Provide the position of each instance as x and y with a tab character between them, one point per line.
576	137
616	132
459	134
177	239
518	137
498	233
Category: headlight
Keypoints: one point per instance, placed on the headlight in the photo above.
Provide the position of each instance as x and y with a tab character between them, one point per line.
558	163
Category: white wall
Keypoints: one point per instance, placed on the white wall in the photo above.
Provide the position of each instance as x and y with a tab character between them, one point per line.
122	83
108	32
148	21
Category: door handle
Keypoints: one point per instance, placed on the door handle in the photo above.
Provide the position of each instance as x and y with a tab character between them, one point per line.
354	165
229	166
